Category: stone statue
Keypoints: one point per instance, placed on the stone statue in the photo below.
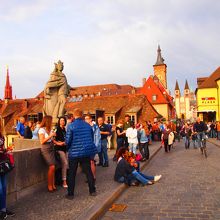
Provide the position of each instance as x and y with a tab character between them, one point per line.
55	93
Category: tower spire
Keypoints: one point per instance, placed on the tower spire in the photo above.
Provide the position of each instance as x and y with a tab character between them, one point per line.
177	86
8	87
160	59
186	85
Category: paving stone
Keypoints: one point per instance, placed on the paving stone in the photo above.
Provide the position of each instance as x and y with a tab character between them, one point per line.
189	188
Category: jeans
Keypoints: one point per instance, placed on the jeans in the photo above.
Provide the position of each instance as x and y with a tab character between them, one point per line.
120	143
73	165
103	155
132	147
200	136
141	177
187	142
144	150
194	143
165	145
3	189
212	133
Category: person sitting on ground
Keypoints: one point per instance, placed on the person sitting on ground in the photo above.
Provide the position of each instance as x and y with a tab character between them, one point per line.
28	130
126	173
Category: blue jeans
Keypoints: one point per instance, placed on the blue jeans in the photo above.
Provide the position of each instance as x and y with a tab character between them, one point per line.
3	187
200	136
186	141
104	151
142	177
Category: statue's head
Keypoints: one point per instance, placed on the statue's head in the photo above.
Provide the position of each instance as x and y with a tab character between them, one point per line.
59	66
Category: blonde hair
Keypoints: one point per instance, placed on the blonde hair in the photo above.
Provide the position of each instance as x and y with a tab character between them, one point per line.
77	113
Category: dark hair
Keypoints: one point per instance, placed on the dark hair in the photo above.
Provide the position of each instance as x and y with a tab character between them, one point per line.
127	116
62	117
120	152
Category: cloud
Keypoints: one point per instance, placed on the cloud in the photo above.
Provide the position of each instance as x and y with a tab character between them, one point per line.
108	41
23	10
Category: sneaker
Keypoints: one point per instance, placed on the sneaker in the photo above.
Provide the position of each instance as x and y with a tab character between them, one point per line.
93	194
157	178
10	213
150	183
65	186
99	164
3	215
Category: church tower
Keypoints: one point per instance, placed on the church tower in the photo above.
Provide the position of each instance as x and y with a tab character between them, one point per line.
160	68
187	99
8	87
177	99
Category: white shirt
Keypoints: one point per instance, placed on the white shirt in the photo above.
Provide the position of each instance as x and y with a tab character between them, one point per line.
131	133
43	131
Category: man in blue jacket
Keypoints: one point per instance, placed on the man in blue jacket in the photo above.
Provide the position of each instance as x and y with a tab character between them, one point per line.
81	147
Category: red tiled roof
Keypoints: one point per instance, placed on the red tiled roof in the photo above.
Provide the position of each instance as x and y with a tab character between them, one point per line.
210	82
150	88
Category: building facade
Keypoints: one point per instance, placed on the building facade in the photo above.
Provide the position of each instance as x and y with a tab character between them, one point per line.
208	97
185	104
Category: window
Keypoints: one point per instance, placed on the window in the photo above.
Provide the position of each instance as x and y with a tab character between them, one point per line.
154	97
33	118
111	119
132	118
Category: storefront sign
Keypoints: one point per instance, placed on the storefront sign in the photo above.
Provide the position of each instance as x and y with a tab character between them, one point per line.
208	100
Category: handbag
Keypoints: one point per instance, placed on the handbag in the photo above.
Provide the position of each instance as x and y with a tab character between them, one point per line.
7	164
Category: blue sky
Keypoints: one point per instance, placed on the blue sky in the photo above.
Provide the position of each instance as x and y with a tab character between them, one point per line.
106	41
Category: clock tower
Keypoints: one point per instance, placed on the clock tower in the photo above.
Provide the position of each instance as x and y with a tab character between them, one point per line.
160	68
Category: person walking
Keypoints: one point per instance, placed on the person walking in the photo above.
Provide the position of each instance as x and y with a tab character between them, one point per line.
46	135
165	137
188	132
80	147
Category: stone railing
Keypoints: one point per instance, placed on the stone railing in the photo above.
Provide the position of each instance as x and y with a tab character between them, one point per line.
29	173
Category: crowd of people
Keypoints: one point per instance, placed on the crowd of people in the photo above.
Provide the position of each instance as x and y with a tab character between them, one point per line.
77	139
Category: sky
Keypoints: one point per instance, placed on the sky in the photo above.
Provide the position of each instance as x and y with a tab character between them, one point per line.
106	41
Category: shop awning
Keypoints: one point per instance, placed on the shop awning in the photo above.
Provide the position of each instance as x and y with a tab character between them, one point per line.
206	111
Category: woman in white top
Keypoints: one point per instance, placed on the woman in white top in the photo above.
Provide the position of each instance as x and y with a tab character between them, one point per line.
131	134
46	135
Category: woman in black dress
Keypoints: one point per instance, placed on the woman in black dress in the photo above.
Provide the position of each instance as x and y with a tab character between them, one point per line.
60	147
